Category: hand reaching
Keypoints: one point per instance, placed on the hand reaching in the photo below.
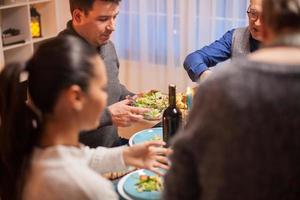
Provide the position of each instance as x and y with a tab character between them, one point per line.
124	115
149	155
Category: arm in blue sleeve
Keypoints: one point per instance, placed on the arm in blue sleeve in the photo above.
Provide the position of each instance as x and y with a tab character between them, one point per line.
200	60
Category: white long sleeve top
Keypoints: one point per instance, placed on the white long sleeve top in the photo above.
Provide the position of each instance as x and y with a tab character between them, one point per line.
65	172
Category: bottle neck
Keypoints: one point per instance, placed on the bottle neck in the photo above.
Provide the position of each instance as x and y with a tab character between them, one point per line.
172	96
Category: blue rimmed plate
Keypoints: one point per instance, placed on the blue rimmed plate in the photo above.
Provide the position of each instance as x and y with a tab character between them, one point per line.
146	135
127	187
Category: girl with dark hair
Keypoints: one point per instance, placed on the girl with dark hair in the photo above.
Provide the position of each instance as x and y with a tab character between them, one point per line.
243	130
40	156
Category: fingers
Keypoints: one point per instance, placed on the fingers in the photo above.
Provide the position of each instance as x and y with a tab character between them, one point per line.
121	121
160	151
162	159
130	113
134	97
139	111
169	152
161	166
126	119
156	147
157	143
156	171
135	118
131	97
126	101
152	155
123	107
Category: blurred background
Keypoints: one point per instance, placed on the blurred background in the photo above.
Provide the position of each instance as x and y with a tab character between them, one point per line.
152	37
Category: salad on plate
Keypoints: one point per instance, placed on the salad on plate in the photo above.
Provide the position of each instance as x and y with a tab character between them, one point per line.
149	183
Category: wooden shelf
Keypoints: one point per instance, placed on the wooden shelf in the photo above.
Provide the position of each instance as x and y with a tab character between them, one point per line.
17	16
36	40
13	5
18	54
5	48
38	1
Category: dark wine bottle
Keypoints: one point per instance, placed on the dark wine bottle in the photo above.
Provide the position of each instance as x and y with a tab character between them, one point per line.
172	116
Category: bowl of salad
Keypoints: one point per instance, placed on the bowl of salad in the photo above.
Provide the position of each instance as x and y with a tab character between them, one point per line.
157	102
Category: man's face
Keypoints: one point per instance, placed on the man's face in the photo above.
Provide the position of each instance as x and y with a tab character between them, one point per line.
98	24
254	16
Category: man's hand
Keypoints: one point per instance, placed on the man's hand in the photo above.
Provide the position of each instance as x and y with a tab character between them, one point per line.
204	75
124	115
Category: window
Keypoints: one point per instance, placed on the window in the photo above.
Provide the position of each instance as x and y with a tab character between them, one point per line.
163	32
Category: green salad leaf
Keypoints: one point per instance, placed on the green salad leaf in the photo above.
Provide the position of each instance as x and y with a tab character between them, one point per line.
155	101
149	183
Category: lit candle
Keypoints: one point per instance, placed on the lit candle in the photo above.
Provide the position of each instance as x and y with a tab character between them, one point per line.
189	98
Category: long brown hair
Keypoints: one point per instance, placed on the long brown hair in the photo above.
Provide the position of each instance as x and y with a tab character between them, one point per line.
16	132
56	65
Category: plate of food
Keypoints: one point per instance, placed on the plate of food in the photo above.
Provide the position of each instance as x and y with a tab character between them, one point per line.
152	134
141	185
157	102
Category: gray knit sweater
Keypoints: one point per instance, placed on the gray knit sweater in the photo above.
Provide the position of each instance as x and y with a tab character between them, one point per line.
106	135
242	140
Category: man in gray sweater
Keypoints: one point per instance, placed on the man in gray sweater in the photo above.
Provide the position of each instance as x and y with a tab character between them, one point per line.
94	21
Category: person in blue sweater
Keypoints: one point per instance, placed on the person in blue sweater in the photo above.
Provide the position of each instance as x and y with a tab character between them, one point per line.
234	43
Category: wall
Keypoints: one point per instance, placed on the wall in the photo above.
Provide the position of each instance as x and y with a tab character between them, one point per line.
63	12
